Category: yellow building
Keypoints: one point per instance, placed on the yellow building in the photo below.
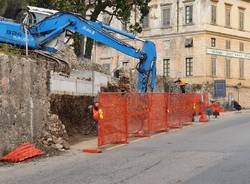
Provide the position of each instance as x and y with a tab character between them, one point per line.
201	41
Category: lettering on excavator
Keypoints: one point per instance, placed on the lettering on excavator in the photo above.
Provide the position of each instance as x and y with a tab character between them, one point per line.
14	33
88	30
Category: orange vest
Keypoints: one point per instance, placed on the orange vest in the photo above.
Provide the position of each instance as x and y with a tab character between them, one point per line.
95	114
182	82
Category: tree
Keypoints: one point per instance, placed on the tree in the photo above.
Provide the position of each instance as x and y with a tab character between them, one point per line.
121	9
10	8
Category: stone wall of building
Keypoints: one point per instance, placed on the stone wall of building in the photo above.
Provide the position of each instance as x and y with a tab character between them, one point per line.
24	100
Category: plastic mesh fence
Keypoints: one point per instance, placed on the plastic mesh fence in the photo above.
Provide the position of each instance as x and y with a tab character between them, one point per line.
183	106
175	110
158	112
113	128
138	111
135	114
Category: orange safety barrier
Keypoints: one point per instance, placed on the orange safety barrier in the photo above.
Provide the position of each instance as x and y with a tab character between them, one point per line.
158	115
138	111
175	110
112	129
22	153
135	114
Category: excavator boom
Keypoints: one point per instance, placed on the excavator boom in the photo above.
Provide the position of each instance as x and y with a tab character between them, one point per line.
44	34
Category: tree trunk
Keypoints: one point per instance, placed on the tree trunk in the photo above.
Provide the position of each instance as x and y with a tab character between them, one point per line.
93	18
81	47
88	49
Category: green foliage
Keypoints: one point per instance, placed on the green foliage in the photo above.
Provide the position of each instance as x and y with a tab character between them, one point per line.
3	6
76	6
11	50
10	8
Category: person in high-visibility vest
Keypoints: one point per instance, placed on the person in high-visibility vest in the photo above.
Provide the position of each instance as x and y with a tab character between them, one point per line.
97	112
182	84
97	115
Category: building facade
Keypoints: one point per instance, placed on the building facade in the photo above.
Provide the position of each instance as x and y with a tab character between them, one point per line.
202	41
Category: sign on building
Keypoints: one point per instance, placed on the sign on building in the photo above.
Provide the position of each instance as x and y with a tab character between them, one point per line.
219	88
219	52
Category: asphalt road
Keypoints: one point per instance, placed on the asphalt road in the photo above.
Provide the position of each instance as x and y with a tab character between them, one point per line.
214	153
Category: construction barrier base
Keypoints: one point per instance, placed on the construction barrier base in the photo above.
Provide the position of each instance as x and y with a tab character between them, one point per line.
176	126
187	124
203	118
142	135
92	150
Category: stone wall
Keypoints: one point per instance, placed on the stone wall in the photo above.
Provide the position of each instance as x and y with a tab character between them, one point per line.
24	100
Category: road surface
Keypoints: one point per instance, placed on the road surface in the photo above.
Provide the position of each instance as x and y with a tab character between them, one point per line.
214	153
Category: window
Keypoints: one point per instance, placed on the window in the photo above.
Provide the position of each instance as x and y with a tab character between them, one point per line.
188	42
166	67
241	47
189	14
241	19
145	21
166	14
189	66
213	14
213	42
213	67
228	16
241	67
228	44
228	68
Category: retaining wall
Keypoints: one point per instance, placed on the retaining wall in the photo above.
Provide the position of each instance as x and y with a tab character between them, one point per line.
24	100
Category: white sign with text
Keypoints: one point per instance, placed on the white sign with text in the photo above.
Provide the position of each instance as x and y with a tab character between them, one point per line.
227	53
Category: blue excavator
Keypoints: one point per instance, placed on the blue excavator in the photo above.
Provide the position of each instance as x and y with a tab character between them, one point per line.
45	30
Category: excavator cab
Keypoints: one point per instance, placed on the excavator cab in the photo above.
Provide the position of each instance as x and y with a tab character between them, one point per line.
33	15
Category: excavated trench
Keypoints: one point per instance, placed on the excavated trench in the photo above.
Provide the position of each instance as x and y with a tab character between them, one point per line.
74	114
31	113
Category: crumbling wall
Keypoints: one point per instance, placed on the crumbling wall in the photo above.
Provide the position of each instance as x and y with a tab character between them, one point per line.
24	100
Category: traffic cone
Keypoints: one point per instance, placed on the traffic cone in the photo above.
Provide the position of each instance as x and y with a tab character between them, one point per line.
203	117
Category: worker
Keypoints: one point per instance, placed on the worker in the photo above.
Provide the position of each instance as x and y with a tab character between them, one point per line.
215	107
97	114
182	84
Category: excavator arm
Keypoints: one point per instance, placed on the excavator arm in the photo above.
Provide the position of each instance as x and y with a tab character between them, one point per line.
40	35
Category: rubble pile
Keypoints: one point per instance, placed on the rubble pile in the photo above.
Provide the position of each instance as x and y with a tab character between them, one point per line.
55	134
124	83
67	54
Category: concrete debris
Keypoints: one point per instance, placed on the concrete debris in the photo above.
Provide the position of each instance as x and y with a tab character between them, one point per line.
67	54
